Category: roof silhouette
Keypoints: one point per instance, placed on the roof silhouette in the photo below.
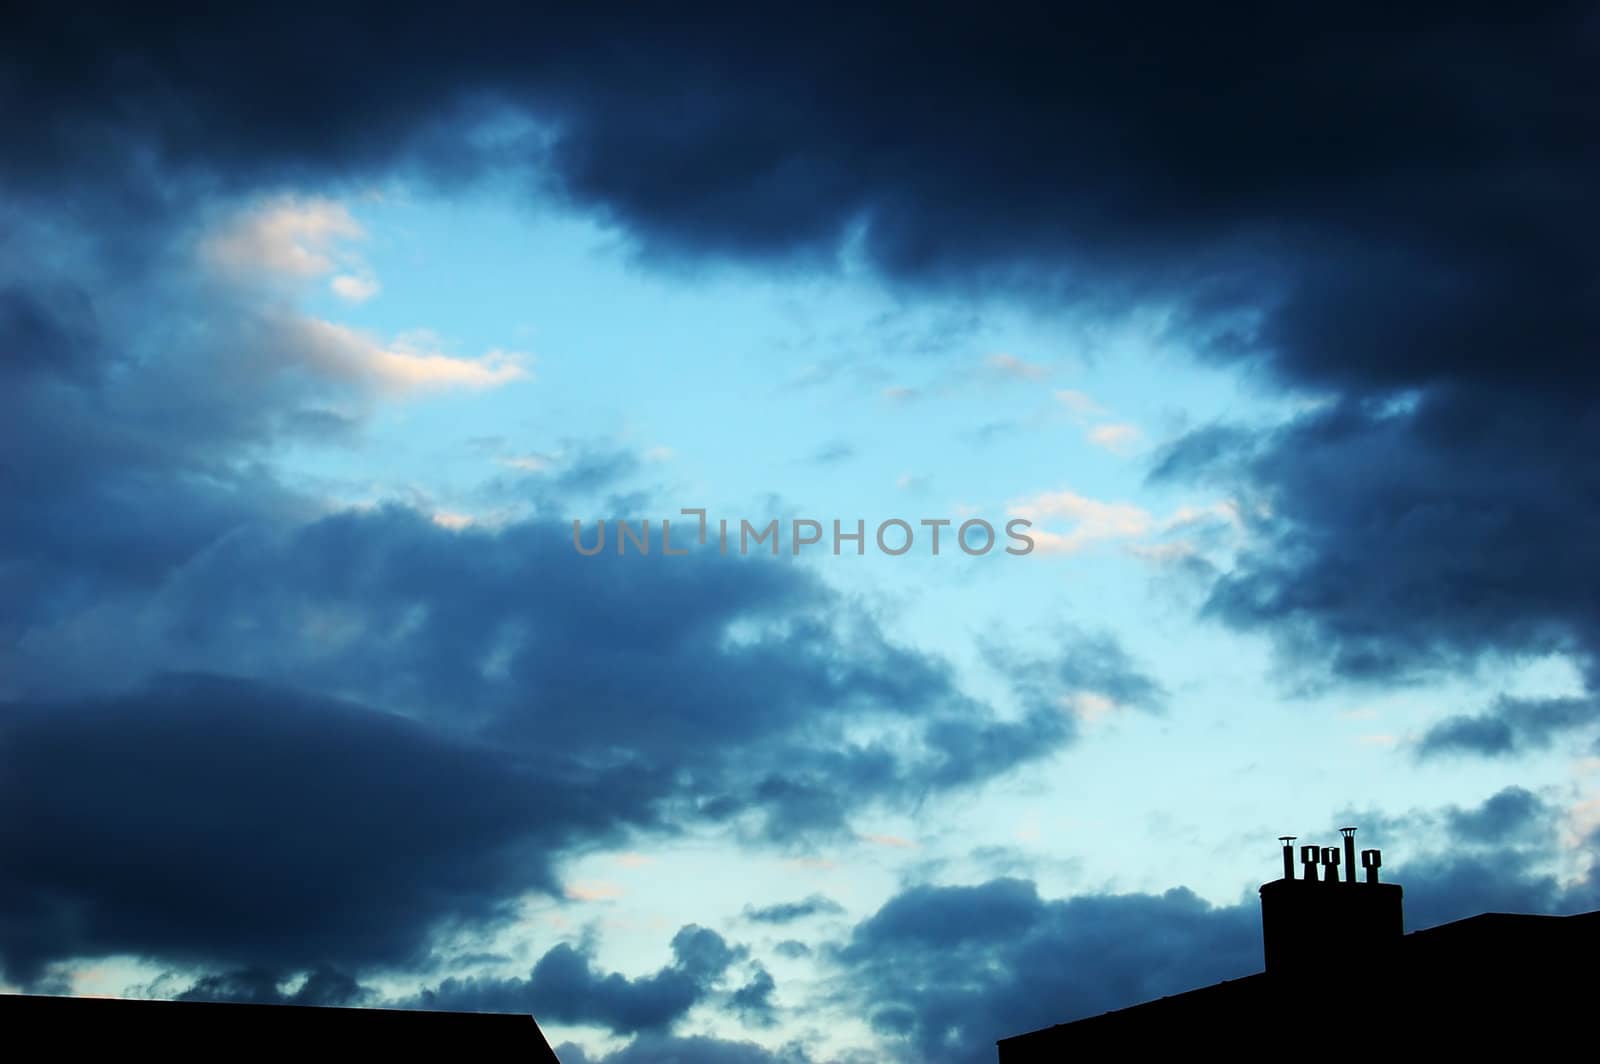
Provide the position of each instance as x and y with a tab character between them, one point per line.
74	1025
1343	978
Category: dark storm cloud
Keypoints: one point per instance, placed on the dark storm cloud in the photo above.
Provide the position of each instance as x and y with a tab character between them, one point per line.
1509	726
323	986
753	1003
1513	818
1497	856
1502	818
47	330
1420	536
1500	855
565	987
1458	885
213	821
947	970
1158	146
789	912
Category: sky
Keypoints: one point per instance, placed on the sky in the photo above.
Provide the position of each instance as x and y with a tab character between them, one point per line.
330	341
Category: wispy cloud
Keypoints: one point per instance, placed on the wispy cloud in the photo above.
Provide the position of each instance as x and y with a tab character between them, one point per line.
789	912
1116	438
529	463
290	237
340	351
833	453
302	238
355	287
593	890
1225	510
1092	520
1005	365
911	482
1089	521
296	239
1079	403
1088	706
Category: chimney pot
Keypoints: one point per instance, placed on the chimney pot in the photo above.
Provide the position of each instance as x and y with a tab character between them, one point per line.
1372	860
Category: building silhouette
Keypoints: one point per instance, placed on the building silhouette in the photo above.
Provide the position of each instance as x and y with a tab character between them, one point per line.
70	1028
1343	979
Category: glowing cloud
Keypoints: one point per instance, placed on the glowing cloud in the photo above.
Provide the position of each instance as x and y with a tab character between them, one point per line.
1088	706
354	288
596	890
290	237
1094	520
342	352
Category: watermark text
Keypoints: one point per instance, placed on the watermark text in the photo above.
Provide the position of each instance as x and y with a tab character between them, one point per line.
895	537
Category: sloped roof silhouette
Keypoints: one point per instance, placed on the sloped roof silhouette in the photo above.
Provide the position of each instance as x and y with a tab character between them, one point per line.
219	1030
1342	978
1490	979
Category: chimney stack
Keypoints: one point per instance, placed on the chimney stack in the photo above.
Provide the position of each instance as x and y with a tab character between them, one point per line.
1299	920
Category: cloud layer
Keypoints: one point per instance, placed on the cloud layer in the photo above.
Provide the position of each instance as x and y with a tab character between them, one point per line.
257	736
